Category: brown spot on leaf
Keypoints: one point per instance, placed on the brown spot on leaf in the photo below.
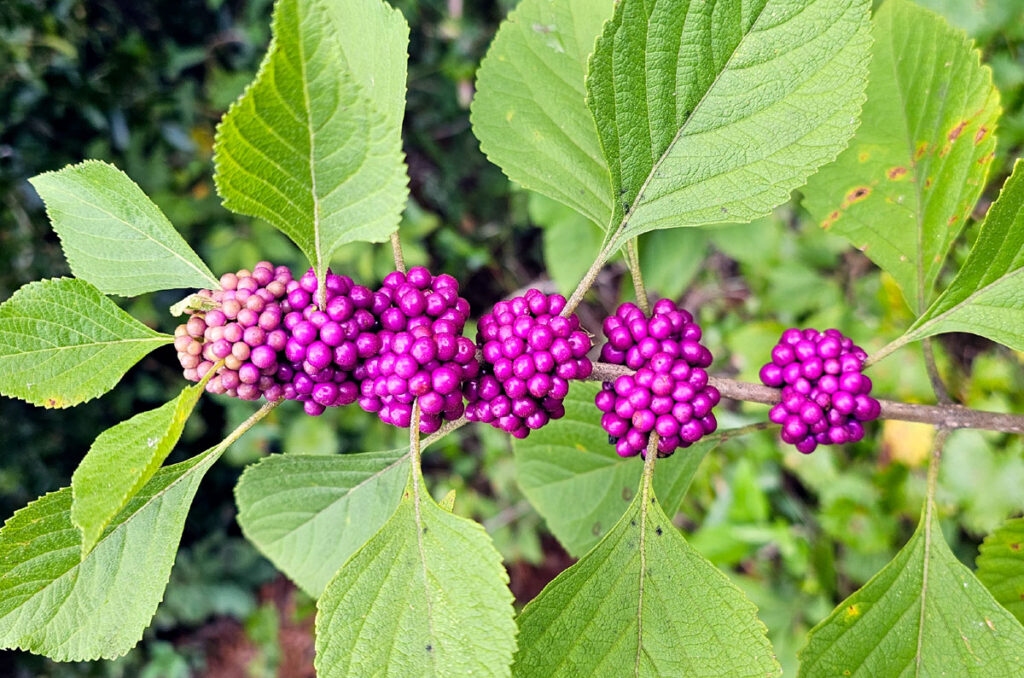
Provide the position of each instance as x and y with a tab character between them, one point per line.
857	194
954	133
928	183
953	219
982	131
896	173
51	402
831	219
922	148
1015	547
986	158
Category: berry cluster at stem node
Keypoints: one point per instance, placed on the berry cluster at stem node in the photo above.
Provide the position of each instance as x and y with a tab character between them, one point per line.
668	393
324	346
530	354
419	352
825	398
244	331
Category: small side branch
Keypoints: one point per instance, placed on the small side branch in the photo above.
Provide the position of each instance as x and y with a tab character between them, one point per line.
396	247
945	416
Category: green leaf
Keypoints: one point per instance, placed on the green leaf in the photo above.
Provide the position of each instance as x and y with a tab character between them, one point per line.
305	147
1001	566
121	461
374	41
427	596
925	614
309	513
62	343
573	477
114	236
529	112
903	189
69	608
987	295
715	113
643	602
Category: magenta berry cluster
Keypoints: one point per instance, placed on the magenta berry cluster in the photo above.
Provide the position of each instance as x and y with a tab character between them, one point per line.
669	392
324	347
420	352
825	398
244	330
530	354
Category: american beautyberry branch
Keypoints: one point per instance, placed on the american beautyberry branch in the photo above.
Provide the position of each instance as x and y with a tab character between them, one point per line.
944	416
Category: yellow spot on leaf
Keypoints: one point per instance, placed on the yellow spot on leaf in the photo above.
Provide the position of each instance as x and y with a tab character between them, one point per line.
864	156
922	148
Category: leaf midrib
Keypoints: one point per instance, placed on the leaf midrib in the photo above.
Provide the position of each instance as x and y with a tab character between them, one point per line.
159	340
205	274
212	456
976	293
419	544
679	133
315	514
312	151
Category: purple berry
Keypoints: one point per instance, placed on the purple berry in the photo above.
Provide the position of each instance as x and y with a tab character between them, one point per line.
824	395
530	354
669	393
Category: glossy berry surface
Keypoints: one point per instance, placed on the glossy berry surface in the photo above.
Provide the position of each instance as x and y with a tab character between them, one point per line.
669	391
321	352
418	352
825	398
530	354
275	341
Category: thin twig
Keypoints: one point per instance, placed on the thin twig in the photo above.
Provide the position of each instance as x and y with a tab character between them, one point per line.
586	283
939	386
947	416
396	247
633	257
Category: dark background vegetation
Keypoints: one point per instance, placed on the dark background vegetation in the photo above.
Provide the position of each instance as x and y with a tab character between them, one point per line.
143	83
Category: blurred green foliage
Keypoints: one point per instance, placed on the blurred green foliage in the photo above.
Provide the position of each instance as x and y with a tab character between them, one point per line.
143	84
